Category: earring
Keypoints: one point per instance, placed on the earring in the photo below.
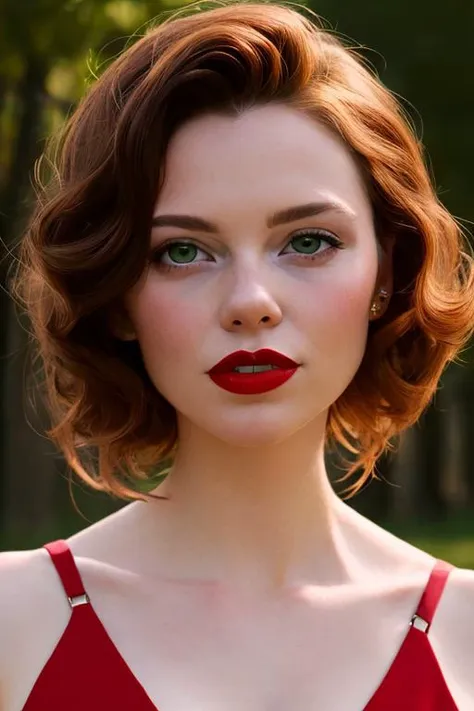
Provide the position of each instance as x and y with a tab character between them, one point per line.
383	296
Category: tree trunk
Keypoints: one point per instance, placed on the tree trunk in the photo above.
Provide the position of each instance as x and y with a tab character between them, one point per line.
29	457
404	476
454	487
26	479
430	502
466	423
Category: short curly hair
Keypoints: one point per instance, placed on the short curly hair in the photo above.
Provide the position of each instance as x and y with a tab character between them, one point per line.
87	240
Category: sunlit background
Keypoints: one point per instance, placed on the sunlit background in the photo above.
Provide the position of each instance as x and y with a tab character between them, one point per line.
50	52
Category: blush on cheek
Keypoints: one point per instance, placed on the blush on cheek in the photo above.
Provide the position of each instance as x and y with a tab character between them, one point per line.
343	302
166	325
343	318
352	306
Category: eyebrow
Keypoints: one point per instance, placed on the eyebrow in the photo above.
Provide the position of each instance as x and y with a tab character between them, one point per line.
290	214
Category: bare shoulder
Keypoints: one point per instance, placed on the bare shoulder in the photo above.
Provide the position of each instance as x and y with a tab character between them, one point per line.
452	635
23	591
32	613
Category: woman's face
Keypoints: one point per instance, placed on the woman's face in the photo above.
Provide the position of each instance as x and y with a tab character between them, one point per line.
299	284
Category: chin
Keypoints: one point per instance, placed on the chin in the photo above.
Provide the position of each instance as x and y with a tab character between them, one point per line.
252	438
260	430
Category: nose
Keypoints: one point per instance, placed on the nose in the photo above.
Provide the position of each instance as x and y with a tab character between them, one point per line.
249	304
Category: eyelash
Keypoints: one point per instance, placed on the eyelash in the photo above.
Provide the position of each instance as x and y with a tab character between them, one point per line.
325	236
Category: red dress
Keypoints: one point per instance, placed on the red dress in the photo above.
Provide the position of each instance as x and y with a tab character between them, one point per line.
86	672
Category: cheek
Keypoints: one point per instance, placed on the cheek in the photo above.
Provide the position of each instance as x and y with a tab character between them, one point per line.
336	319
350	309
337	332
167	326
339	306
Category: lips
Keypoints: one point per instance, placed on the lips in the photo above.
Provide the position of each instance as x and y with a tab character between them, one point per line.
227	374
264	356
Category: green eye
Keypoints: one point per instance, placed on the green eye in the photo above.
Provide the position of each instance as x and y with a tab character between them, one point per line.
313	243
307	244
182	253
178	255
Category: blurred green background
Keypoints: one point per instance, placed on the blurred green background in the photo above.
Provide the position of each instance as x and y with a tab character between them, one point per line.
50	52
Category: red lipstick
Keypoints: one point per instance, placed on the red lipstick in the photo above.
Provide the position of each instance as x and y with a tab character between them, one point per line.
246	373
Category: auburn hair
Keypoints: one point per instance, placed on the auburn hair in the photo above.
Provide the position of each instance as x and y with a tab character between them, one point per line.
87	240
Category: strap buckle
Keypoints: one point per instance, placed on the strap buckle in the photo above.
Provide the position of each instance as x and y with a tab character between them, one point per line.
419	623
79	600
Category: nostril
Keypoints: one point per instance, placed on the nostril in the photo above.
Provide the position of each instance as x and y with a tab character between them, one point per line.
264	319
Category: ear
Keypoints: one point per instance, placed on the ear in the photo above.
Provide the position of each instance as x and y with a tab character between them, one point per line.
385	274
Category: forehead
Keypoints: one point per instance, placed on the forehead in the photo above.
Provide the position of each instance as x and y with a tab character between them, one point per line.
264	157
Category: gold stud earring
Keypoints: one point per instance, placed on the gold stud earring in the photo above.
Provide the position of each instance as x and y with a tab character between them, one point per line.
376	307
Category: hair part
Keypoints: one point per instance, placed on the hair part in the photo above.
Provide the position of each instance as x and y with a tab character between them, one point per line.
87	240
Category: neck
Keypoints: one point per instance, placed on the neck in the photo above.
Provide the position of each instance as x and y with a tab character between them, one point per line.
264	515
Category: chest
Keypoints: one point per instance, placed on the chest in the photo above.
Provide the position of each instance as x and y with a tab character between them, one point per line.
205	649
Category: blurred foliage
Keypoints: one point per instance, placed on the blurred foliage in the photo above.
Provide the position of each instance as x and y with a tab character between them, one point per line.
451	540
52	50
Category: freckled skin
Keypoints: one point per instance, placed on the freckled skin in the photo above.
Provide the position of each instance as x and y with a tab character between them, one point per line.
235	172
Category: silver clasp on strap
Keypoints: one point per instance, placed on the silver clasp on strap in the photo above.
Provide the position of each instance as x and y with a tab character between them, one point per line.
419	623
79	600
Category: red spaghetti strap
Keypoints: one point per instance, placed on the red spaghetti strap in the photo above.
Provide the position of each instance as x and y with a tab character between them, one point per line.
433	591
85	670
66	568
415	681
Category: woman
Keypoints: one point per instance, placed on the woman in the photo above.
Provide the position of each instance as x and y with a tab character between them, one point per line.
241	259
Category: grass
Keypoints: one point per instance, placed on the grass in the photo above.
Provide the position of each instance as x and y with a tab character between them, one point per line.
452	539
458	551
